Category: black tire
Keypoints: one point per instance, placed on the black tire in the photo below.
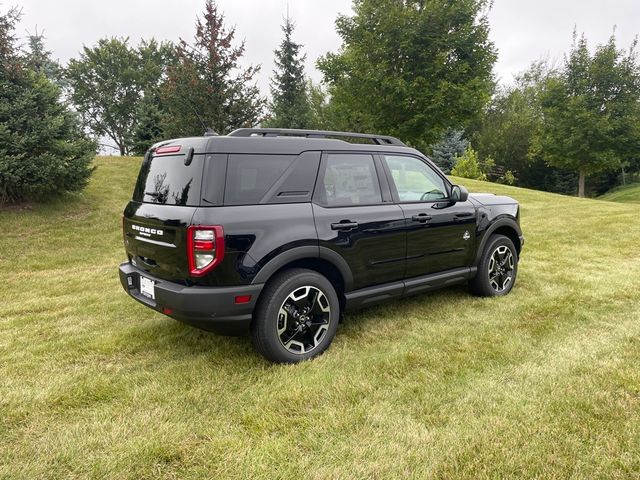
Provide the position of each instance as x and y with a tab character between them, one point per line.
496	278
289	321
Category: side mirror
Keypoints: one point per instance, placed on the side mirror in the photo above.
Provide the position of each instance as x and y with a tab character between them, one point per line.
459	193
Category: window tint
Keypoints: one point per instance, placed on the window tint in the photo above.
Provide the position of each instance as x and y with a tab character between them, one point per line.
249	177
350	180
415	181
167	180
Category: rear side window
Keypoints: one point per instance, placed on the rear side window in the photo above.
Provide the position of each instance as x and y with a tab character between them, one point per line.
250	177
166	180
349	179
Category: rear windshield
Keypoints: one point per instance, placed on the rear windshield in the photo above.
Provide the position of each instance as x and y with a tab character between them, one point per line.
167	180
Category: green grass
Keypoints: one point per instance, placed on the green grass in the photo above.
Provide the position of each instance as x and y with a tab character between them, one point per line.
626	194
541	384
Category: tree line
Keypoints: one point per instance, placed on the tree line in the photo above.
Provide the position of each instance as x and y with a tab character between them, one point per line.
421	71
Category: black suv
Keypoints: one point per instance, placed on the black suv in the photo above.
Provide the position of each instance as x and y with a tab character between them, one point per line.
281	231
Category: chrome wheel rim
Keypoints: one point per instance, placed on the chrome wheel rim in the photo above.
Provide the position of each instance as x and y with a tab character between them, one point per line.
303	320
501	268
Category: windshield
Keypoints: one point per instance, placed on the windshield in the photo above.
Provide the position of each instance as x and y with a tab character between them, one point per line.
166	180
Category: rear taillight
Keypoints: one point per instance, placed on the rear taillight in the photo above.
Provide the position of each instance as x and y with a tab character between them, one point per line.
205	248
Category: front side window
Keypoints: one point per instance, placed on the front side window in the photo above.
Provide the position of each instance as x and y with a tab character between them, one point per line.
415	181
349	180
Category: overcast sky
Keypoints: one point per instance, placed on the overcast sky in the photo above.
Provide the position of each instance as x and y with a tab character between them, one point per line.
523	30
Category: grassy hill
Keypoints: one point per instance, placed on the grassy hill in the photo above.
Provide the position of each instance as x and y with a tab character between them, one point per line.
541	384
626	194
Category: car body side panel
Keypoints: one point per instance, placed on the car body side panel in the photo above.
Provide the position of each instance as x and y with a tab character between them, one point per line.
445	242
375	250
254	235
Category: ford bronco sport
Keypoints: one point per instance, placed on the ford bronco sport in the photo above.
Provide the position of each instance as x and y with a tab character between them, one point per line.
281	231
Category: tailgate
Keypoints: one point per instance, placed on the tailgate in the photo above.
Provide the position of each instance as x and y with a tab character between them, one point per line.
165	198
155	238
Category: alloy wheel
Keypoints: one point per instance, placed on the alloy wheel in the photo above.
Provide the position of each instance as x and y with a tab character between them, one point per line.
501	268
303	319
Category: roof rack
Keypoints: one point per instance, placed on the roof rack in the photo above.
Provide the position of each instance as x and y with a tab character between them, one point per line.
292	132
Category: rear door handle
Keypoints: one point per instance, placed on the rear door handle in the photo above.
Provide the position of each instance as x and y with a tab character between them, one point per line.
344	225
421	217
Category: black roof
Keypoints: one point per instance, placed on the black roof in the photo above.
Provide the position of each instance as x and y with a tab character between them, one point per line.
290	142
291	132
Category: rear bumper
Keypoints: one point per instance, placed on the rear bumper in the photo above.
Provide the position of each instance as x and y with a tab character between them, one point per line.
209	308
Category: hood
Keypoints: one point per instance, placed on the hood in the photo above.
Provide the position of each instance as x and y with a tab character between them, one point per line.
488	199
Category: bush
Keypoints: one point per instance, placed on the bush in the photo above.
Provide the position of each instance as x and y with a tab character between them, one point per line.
509	178
468	166
43	150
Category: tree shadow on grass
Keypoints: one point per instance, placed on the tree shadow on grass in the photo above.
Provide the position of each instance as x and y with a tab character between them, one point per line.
171	339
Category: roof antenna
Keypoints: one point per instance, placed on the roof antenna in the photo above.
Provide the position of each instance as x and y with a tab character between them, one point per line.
204	125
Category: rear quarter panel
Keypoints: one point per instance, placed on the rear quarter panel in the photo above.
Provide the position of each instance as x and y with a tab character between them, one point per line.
255	234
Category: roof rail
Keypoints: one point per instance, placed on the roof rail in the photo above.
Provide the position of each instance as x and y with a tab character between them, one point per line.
292	132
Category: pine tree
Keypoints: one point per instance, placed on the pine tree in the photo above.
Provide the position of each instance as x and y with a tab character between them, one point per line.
206	88
289	106
149	129
42	147
38	58
452	145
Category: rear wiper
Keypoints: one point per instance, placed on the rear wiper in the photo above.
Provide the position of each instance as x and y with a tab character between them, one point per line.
153	194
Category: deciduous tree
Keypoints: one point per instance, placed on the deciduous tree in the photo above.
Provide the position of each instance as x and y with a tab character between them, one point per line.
108	82
592	110
411	68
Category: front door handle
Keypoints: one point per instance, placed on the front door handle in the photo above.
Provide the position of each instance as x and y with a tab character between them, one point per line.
344	225
421	217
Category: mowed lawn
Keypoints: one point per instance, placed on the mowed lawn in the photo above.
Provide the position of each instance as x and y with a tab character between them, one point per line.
628	194
544	383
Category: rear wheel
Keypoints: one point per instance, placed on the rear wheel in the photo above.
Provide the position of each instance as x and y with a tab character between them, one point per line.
296	317
498	268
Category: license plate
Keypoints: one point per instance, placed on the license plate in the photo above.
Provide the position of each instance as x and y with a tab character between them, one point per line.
147	287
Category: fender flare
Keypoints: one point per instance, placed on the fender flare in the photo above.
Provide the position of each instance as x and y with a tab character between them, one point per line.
300	253
501	222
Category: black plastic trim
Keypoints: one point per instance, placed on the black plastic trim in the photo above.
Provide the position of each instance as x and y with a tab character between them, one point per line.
501	222
275	264
380	293
212	308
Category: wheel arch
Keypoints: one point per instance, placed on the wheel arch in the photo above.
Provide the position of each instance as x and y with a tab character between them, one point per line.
504	226
319	259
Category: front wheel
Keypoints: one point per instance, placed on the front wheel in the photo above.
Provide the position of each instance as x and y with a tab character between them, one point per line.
498	268
296	318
